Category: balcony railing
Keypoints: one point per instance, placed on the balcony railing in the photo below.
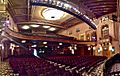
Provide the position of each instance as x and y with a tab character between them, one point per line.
46	37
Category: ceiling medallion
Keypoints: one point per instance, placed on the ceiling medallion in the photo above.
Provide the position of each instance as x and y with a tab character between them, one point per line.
52	14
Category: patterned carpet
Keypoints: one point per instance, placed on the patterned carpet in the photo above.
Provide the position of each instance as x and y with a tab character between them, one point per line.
5	70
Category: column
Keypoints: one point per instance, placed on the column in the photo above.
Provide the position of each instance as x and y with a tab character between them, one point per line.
118	21
5	49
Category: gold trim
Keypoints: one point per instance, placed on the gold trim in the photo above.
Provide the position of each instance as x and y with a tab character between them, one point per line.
47	9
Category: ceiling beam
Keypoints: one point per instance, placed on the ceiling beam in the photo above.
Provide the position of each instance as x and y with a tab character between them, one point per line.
99	4
98	1
105	11
98	7
11	12
100	10
20	15
102	13
20	7
28	9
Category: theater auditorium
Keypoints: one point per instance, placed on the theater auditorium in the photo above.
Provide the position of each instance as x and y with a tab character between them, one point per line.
59	37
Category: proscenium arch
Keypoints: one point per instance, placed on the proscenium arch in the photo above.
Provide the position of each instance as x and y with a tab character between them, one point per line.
80	15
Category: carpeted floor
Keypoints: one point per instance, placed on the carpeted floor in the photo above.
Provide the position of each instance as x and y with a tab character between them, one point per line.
5	70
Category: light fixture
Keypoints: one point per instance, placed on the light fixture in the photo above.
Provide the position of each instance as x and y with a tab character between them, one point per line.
23	41
46	46
89	48
44	42
110	46
58	46
1	1
46	26
34	25
101	48
75	47
75	44
25	27
7	21
72	51
113	49
34	46
52	14
60	43
52	29
35	52
0	30
0	45
70	47
94	48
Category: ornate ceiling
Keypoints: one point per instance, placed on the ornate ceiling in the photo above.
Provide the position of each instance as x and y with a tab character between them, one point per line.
23	13
3	13
96	8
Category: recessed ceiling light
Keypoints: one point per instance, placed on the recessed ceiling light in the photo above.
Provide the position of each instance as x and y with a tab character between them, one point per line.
34	46
58	46
25	27
34	25
0	30
23	41
8	21
44	42
52	14
52	29
46	26
46	46
0	44
60	43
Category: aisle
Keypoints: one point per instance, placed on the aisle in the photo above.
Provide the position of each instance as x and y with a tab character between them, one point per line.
5	70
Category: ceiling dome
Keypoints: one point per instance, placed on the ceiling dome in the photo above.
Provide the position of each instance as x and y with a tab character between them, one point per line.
52	14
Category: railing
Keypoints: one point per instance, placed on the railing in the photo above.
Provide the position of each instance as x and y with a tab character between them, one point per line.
60	38
114	74
36	37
